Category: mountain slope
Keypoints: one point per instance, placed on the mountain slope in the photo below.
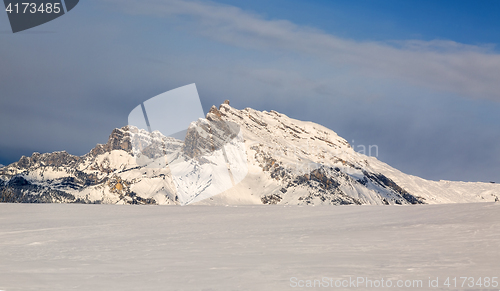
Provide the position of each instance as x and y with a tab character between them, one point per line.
231	157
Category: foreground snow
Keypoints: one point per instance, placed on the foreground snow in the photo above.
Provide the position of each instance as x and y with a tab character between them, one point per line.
112	247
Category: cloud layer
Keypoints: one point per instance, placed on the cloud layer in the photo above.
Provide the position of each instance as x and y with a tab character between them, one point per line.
472	71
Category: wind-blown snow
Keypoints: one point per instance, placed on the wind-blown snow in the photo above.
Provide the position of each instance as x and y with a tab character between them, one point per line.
51	247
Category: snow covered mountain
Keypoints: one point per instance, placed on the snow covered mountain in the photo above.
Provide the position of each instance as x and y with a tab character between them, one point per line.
231	157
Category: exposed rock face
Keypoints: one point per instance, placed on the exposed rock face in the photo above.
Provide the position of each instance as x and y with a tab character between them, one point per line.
210	135
271	199
286	161
56	159
118	140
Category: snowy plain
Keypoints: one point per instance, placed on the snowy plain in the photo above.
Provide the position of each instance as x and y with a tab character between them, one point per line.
120	247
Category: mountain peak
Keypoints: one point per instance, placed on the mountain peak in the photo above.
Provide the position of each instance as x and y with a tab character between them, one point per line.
270	157
119	139
213	113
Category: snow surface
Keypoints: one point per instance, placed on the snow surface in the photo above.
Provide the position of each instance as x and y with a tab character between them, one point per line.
118	247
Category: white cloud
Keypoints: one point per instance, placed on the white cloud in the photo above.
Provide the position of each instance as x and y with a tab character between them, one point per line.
469	70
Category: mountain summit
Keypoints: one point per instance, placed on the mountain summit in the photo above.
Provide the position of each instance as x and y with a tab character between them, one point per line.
230	157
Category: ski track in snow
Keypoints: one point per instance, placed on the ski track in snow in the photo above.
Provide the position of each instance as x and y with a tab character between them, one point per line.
119	247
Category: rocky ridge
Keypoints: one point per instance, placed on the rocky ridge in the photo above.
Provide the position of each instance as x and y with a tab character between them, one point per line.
285	161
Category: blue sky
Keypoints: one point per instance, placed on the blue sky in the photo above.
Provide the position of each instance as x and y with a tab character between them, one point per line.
419	79
471	22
